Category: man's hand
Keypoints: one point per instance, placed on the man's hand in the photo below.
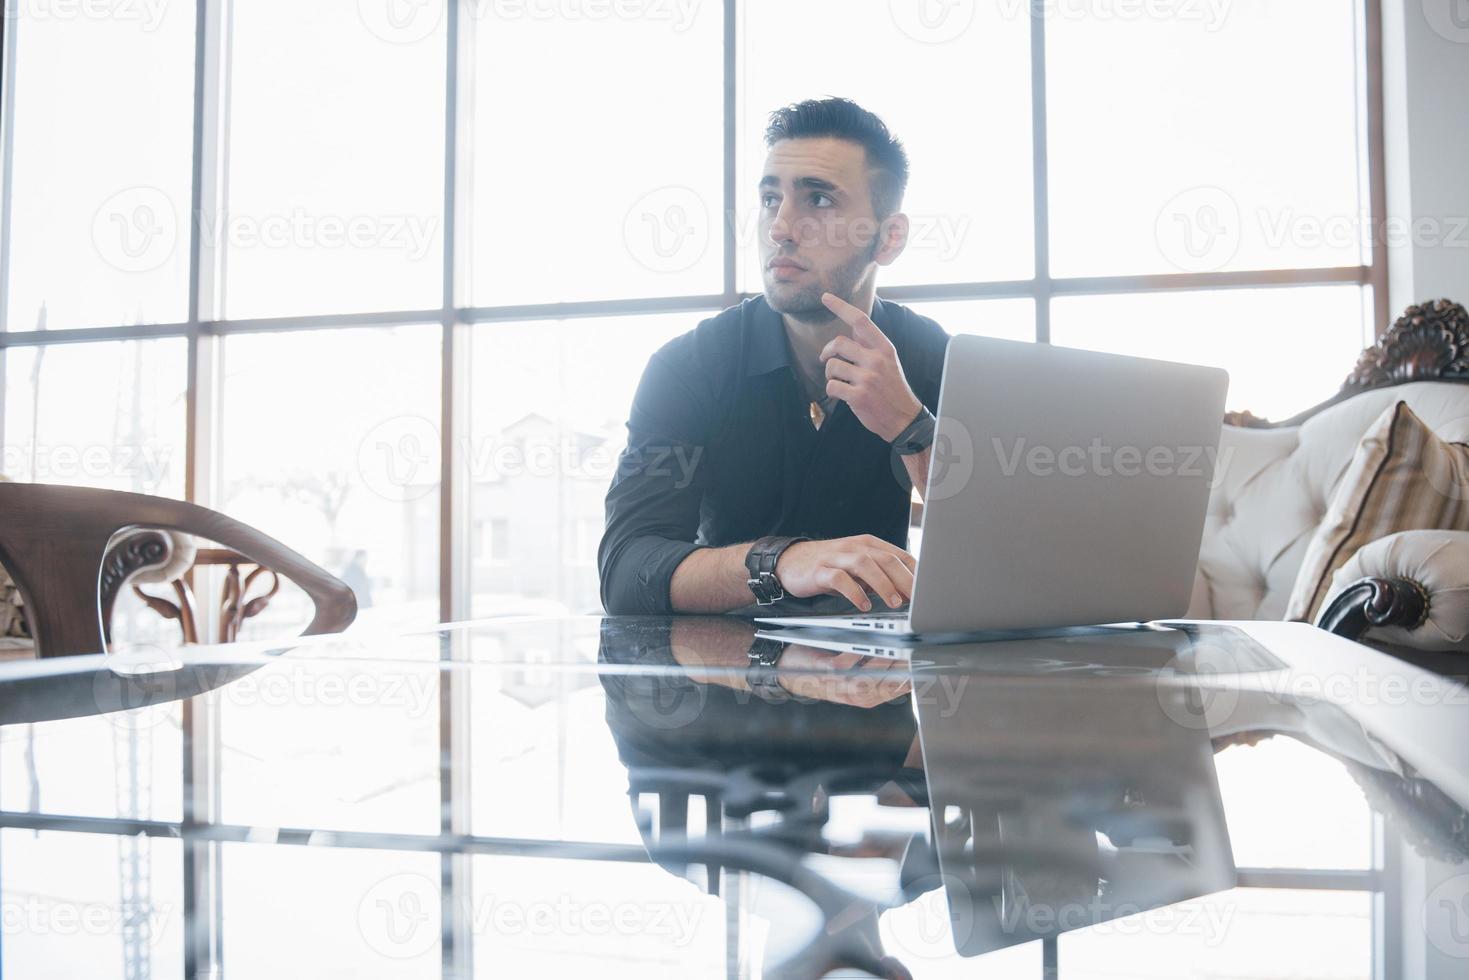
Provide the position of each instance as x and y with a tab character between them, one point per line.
849	567
842	678
863	371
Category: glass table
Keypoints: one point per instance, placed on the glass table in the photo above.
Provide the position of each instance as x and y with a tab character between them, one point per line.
679	798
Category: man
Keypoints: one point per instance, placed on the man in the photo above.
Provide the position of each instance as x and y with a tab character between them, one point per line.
772	450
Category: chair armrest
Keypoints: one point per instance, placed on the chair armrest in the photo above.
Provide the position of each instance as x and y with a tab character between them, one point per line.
1409	589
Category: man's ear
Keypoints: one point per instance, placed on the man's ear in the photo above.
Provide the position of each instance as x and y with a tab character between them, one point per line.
892	237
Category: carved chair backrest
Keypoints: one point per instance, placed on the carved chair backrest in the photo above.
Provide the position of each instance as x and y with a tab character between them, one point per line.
53	540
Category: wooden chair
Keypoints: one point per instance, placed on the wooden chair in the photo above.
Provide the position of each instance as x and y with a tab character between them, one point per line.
58	545
238	599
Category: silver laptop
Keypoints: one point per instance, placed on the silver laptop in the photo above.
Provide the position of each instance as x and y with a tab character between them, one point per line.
1066	488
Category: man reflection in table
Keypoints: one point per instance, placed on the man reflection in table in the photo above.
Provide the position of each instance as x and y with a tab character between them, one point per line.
786	434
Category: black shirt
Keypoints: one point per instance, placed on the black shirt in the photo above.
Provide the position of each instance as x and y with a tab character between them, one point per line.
721	450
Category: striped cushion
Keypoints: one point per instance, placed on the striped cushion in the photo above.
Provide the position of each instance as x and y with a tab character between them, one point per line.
1403	478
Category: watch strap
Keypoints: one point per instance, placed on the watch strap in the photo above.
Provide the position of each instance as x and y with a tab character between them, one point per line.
760	562
761	676
918	436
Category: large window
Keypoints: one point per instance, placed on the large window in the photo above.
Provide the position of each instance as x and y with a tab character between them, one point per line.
380	278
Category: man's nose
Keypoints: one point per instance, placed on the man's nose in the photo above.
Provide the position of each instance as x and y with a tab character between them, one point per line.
782	228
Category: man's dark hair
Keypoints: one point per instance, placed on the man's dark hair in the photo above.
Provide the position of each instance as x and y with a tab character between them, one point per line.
845	119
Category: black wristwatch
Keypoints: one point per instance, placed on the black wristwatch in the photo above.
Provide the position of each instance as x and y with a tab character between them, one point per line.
918	436
761	676
760	562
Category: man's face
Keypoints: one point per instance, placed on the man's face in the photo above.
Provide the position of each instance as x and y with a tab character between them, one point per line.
818	231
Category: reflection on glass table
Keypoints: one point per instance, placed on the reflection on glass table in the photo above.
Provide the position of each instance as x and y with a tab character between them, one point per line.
636	797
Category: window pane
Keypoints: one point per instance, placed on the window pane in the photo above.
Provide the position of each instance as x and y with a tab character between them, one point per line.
1274	795
104	113
91	905
330	444
1286	350
1246	932
108	415
955	90
598	145
329	912
663	925
1008	319
1204	137
336	160
549	410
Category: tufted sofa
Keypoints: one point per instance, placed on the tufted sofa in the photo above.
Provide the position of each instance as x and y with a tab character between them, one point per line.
1273	483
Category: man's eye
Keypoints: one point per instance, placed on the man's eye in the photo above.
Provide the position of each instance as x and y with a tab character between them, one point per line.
822	201
767	201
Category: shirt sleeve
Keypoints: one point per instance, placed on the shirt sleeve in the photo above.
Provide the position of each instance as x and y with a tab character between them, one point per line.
654	501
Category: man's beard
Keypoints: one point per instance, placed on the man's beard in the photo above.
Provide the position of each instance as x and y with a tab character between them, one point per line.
805	304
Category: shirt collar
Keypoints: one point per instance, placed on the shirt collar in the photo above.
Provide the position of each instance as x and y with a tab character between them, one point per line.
769	351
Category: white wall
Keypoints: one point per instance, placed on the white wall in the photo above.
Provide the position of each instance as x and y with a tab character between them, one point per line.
1426	130
1434	921
1426	119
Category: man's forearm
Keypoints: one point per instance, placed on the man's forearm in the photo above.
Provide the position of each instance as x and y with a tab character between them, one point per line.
711	580
917	467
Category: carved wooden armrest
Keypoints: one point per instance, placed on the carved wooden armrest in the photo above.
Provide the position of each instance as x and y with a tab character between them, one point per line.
1409	589
1375	602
